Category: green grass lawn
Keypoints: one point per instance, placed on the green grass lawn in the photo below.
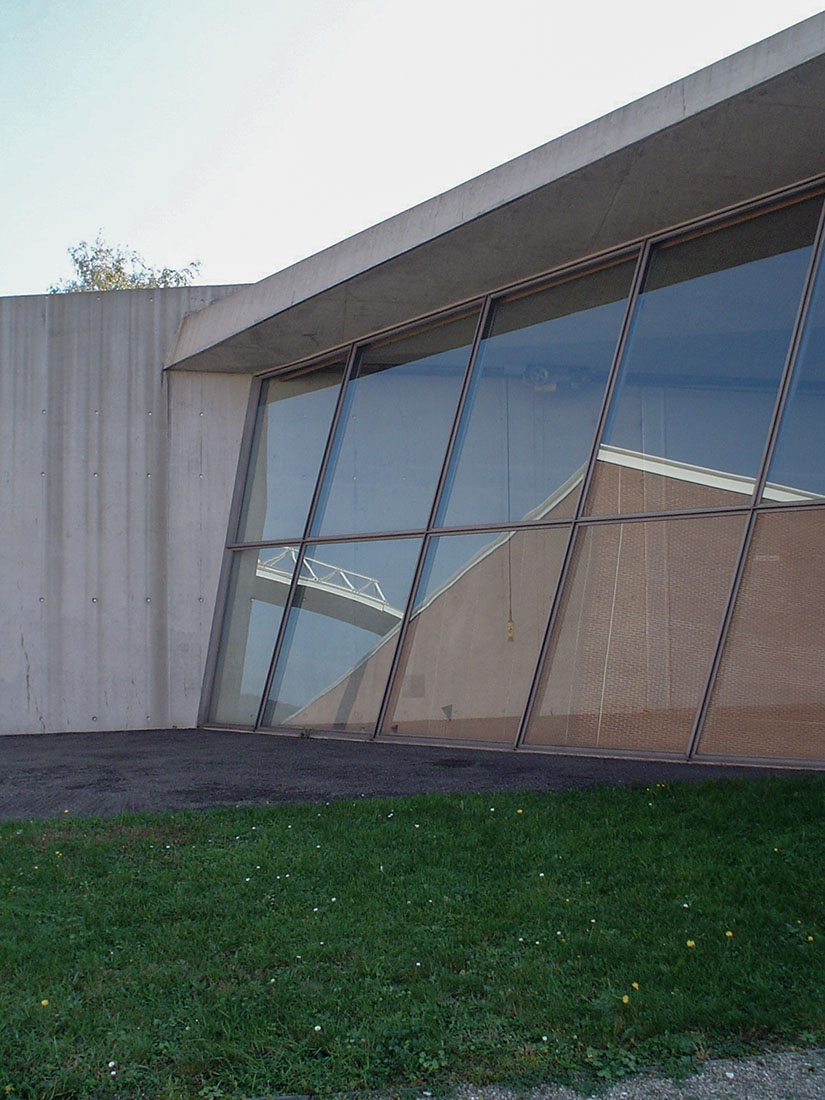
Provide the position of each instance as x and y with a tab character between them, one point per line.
385	943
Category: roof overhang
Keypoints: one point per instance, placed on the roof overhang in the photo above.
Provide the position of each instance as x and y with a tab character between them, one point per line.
743	127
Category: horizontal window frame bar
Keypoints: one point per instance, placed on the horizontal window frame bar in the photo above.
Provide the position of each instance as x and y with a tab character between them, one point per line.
536	525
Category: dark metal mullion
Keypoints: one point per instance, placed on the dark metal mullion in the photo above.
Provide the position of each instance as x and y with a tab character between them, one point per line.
716	659
402	634
544	648
439	489
313	504
219	610
783	393
324	540
767	457
279	637
496	528
515	525
615	366
739	212
480	332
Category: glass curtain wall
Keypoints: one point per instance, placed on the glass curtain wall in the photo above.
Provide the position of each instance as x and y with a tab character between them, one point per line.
700	375
558	520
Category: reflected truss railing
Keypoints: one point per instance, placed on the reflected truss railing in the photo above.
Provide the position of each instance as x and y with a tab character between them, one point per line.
334	579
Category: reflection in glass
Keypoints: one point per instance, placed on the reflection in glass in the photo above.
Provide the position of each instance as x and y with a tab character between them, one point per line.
798	468
769	695
341	635
475	635
258	586
528	424
291	430
390	443
638	624
698	382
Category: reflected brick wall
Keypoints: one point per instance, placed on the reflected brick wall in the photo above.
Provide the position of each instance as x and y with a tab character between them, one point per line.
769	697
636	632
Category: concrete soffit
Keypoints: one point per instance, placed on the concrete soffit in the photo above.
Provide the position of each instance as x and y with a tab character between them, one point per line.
743	127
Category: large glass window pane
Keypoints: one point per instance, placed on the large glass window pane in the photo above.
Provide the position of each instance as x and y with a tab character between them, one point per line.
475	635
291	430
341	635
769	695
798	468
390	444
258	587
698	382
636	634
538	383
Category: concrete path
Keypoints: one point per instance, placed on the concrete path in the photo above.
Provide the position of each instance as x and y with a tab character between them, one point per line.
108	773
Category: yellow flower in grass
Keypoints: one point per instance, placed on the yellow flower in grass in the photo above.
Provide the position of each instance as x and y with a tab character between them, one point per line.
635	985
44	1003
625	1000
691	943
729	934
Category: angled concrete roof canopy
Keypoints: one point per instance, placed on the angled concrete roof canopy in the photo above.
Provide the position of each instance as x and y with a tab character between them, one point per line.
742	127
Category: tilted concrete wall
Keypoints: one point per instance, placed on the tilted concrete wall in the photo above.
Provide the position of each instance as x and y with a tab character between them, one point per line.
115	485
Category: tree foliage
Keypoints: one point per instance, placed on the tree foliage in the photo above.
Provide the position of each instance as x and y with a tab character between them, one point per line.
99	265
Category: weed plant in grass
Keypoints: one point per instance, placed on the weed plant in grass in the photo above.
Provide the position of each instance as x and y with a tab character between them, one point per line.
381	943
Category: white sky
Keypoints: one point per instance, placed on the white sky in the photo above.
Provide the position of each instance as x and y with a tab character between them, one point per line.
249	134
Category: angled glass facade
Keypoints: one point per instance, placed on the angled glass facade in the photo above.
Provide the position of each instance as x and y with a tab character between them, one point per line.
585	514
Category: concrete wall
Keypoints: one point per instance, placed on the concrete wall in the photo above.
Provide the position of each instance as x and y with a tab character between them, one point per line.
742	127
115	484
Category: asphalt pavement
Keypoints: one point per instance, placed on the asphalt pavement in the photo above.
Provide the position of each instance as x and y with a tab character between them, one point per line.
108	773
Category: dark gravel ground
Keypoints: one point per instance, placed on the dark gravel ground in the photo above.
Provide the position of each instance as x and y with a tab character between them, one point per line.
105	773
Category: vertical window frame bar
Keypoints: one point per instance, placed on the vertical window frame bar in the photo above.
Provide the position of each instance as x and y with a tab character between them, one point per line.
481	328
302	545
219	619
639	275
806	298
794	348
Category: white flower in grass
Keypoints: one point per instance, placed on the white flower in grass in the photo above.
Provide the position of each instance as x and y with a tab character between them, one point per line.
317	1027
